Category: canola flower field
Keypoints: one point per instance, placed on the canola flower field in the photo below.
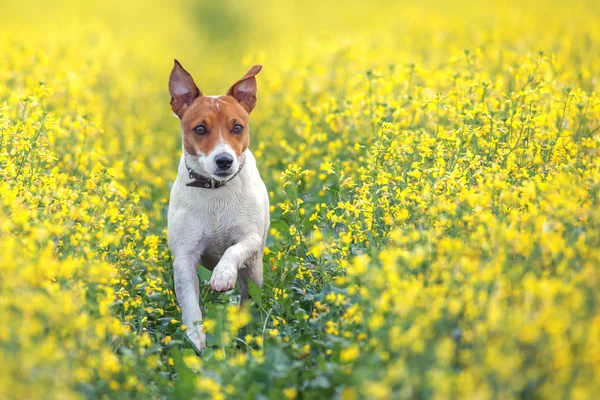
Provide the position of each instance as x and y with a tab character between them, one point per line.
434	175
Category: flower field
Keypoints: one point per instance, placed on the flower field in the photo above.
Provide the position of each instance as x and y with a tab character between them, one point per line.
434	177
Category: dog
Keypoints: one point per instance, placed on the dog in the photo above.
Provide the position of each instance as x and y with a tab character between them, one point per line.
219	206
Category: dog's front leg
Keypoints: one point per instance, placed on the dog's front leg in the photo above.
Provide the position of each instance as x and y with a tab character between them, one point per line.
188	295
225	273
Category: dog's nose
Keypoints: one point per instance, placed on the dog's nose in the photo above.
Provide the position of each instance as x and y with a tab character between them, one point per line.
224	161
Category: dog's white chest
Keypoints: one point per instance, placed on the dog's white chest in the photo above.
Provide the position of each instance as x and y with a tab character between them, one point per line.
208	221
219	224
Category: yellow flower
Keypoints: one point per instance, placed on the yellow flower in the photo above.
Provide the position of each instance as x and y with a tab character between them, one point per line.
209	325
290	393
349	354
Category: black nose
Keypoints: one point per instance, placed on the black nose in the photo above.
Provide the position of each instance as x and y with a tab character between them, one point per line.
224	161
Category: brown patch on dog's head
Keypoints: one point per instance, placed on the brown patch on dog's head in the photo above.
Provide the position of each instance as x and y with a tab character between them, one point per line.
210	121
207	122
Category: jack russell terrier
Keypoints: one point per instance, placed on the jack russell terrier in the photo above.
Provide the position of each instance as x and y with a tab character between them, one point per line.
219	206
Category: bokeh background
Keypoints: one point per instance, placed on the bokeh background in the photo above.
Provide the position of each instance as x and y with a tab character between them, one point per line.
433	170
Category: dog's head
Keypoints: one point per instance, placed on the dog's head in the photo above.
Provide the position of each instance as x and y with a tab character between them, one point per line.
215	128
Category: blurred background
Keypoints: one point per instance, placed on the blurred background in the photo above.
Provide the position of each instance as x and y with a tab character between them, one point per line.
213	38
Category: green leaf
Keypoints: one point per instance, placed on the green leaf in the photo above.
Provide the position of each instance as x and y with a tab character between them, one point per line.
320	382
299	314
184	384
211	340
255	292
204	274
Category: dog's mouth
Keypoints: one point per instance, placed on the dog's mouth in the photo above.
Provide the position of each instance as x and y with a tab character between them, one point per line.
223	175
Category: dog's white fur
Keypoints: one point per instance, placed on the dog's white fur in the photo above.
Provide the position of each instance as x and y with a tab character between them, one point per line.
223	229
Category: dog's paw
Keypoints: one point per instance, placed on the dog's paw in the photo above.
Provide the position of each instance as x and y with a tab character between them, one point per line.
223	278
197	338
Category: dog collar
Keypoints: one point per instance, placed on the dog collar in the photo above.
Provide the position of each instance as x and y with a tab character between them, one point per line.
205	182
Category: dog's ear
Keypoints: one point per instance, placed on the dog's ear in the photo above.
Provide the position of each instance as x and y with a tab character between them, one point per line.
244	90
182	88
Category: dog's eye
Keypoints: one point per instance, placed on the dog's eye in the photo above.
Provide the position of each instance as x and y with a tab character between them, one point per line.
200	130
238	128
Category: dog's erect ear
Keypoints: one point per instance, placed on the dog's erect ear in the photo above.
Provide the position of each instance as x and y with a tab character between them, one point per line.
182	88
244	90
